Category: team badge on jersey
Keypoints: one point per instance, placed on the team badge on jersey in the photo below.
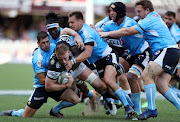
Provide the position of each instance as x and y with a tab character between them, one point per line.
52	61
58	65
39	63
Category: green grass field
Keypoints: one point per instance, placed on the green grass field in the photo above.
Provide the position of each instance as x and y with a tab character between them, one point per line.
12	75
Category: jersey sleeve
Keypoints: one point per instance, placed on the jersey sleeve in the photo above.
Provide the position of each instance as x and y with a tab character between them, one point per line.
38	64
142	25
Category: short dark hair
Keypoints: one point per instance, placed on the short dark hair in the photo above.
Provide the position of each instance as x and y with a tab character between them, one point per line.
145	4
171	13
41	35
77	14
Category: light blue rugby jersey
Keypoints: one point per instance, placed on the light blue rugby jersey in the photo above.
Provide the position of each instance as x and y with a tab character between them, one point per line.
100	49
57	39
155	32
40	61
134	43
99	24
175	32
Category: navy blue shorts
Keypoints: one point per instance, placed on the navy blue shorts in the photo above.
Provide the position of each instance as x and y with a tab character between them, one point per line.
40	96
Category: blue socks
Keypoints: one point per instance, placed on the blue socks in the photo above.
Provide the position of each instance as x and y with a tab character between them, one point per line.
90	94
120	95
61	105
177	91
150	91
18	113
136	98
172	97
128	99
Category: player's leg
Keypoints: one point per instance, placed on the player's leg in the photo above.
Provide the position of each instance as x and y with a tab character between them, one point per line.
162	82
67	101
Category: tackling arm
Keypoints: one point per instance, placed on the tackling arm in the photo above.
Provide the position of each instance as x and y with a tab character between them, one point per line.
77	39
41	77
119	33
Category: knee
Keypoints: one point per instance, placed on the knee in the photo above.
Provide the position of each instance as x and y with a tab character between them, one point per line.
75	100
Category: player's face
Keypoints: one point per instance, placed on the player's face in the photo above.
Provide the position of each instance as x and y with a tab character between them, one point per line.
44	44
113	14
74	23
63	59
54	32
140	12
169	20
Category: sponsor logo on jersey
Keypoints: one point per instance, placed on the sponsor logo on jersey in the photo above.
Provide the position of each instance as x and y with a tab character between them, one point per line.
58	65
39	63
52	61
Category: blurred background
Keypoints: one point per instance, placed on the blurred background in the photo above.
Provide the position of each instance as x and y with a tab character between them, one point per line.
20	20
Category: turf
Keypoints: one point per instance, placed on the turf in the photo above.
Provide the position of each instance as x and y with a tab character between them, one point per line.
16	76
167	112
20	76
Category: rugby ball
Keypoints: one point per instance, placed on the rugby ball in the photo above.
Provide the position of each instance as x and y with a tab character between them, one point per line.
63	78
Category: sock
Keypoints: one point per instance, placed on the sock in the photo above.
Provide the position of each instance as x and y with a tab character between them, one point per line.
61	105
136	98
90	94
120	95
177	91
18	113
171	96
115	100
150	91
128	99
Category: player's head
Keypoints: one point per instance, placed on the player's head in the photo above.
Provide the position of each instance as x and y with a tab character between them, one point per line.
75	20
117	11
52	25
169	18
43	40
62	52
143	8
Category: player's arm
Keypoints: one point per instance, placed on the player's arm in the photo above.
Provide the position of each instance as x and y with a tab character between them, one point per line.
77	39
52	85
41	77
119	33
86	53
82	56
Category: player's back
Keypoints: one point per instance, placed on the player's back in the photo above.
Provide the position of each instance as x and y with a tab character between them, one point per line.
155	32
100	49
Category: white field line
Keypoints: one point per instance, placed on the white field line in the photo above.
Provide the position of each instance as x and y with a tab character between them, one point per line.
28	92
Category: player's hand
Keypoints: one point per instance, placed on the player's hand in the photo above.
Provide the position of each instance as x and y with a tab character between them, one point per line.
103	34
70	81
68	66
78	41
92	26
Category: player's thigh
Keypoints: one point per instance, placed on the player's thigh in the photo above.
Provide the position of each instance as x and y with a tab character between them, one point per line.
151	71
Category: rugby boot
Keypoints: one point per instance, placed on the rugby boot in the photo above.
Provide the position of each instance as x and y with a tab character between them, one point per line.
129	110
111	108
7	113
147	114
60	115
